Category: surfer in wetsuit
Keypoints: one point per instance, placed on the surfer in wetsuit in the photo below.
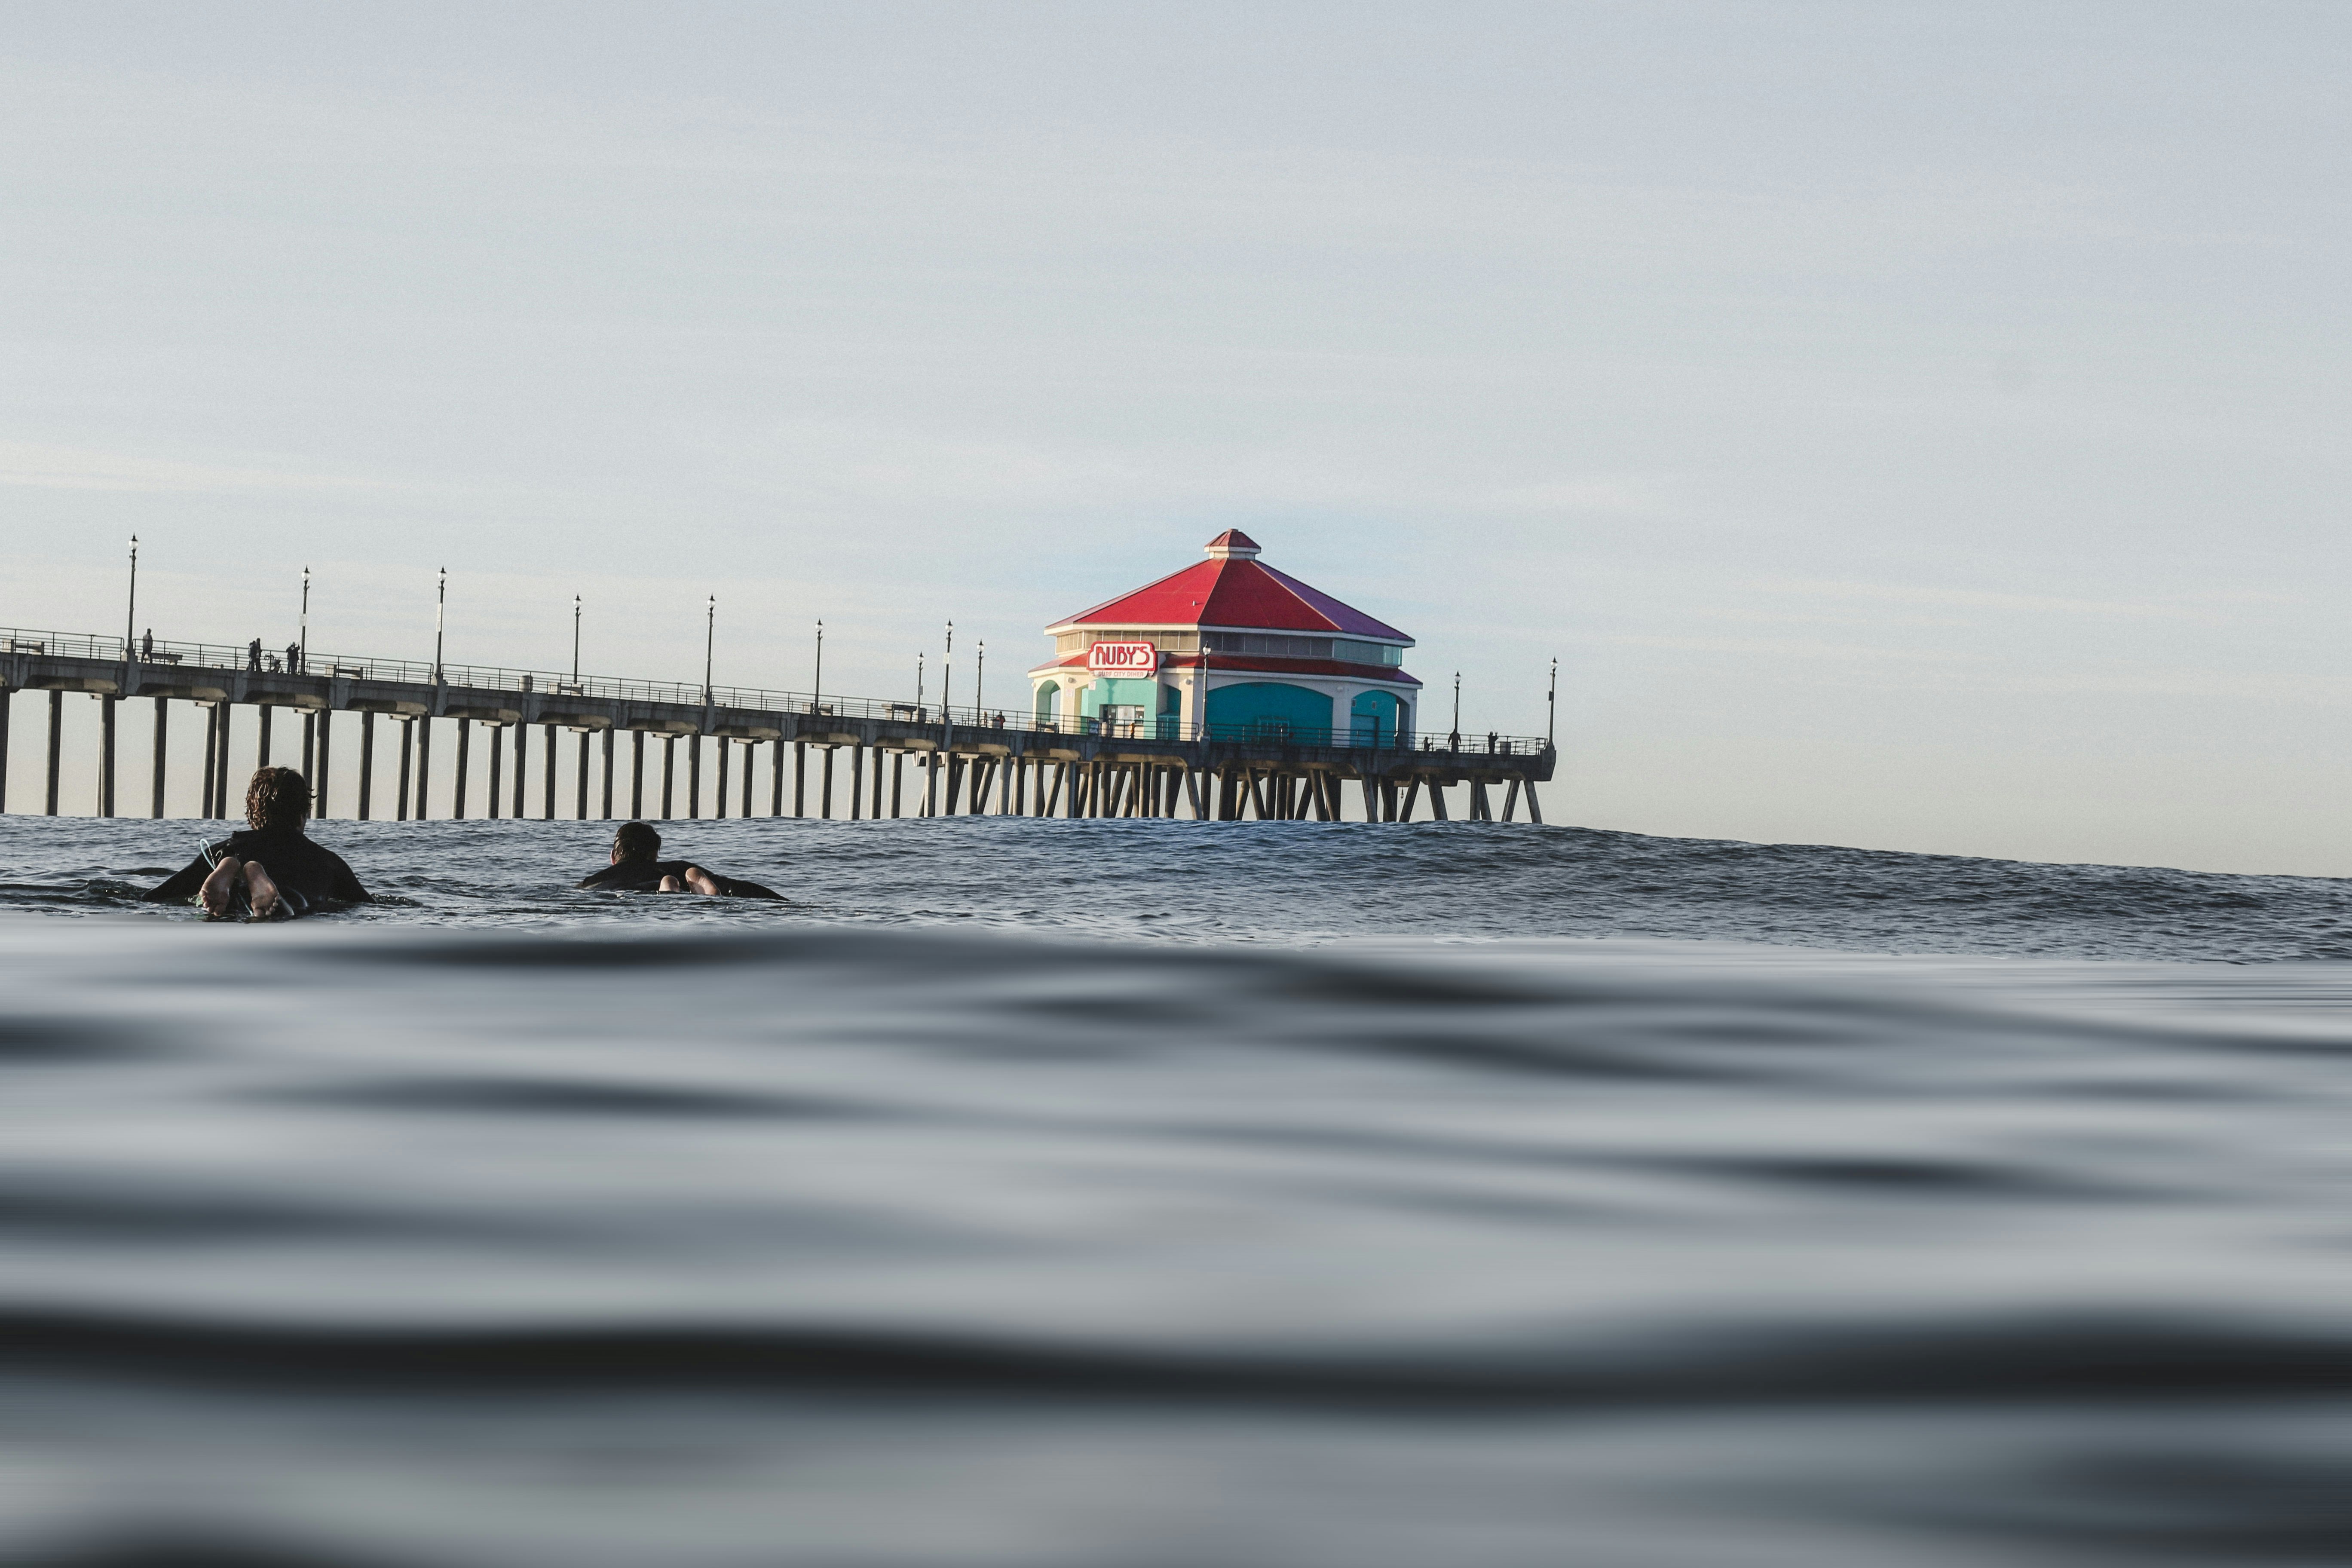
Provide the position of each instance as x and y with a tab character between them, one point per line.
637	867
271	869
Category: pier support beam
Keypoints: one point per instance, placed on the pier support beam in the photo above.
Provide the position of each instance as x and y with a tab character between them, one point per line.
824	797
1535	811
580	777
424	765
722	811
670	772
897	780
407	751
465	749
106	755
163	730
693	776
1510	800
6	694
799	778
856	781
496	802
608	774
212	739
326	739
874	806
57	744
221	807
636	775
310	724
367	762
750	753
522	761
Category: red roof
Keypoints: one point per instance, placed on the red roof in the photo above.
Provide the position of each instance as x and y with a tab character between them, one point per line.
1232	589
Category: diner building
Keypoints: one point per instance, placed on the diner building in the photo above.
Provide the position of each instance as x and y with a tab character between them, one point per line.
1231	648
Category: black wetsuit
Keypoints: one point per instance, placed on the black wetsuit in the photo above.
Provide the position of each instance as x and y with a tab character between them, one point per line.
645	877
310	876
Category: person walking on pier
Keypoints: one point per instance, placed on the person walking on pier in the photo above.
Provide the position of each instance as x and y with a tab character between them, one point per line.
147	646
271	870
637	867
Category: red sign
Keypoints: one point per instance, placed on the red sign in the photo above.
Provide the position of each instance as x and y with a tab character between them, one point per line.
1122	659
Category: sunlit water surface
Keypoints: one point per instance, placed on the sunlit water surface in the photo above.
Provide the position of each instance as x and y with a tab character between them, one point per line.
1164	1194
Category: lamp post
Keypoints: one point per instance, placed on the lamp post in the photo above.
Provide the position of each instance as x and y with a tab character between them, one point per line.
575	639
1454	734
709	640
980	684
1552	707
302	631
440	609
947	678
131	610
918	683
816	693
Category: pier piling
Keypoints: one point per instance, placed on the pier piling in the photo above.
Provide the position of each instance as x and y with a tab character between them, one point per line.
163	730
464	748
367	762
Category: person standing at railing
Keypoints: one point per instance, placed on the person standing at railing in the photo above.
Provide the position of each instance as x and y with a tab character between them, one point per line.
293	659
147	646
253	655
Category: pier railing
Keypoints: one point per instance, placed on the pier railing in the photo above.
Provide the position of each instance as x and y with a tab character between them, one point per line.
966	719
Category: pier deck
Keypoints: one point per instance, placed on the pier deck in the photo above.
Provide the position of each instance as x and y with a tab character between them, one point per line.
967	761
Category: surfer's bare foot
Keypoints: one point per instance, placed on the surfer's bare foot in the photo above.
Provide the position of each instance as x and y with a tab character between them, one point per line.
699	880
263	890
672	885
221	887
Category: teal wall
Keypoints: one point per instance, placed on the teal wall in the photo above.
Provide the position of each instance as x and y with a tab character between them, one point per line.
1268	707
1119	693
1049	702
1374	719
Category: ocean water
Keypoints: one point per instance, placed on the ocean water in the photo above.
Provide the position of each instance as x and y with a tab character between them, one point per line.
1156	1192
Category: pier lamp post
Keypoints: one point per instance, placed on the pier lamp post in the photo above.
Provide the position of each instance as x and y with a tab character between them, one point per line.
816	697
302	629
710	639
980	684
919	682
1454	736
440	608
947	678
131	610
575	639
1552	707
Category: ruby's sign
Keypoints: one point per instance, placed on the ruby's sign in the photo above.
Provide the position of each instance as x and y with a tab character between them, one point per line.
1122	659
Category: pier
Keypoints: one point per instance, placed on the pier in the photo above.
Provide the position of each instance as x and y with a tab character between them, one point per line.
715	751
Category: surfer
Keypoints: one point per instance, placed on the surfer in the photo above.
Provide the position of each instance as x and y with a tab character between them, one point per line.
637	867
271	870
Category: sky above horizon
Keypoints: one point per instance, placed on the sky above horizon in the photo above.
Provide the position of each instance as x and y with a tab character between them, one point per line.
1916	428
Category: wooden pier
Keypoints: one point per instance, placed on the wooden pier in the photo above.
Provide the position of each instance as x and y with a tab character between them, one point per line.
824	757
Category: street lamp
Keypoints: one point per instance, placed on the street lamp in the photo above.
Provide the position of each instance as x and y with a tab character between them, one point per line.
1551	706
1455	734
302	636
980	684
440	609
575	639
918	683
709	638
816	697
131	610
947	678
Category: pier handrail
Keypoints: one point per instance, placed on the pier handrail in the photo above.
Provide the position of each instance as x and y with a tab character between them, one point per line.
973	725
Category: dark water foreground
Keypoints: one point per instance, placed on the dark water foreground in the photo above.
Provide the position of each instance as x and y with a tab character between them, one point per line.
507	1227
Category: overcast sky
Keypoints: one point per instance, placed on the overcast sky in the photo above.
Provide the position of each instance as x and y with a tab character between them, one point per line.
1912	426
